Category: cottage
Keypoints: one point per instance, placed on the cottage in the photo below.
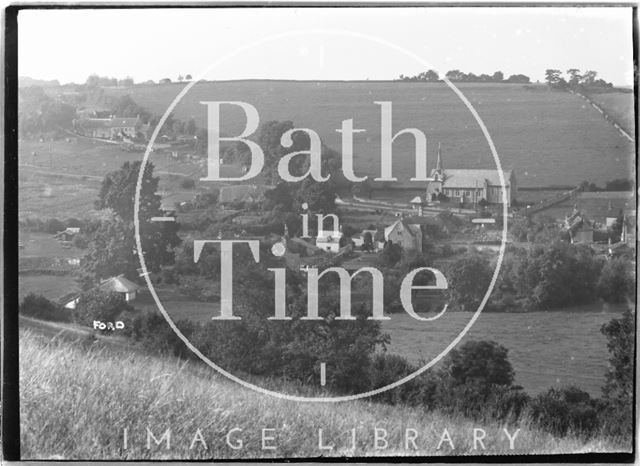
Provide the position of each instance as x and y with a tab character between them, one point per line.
244	195
470	186
121	285
109	128
67	235
329	240
579	227
407	236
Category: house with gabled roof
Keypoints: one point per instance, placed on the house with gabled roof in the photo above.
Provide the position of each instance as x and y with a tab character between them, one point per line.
109	128
241	194
118	284
407	236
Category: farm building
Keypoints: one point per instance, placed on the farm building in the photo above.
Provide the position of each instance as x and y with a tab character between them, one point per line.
241	194
120	284
117	284
470	186
108	128
68	234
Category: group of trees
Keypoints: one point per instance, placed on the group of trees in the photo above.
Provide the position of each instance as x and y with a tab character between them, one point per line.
543	277
574	78
95	81
619	184
41	113
459	76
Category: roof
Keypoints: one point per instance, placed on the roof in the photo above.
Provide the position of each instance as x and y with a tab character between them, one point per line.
109	122
412	229
416	200
118	284
123	122
468	178
422	220
241	193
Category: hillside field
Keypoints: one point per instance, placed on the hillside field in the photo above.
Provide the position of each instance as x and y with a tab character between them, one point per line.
548	137
76	399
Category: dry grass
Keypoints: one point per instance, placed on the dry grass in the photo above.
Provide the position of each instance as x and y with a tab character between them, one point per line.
76	399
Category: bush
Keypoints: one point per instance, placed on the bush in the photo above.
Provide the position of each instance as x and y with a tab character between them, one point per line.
100	305
39	307
188	183
389	368
618	390
476	381
561	410
80	241
484	362
53	226
154	333
617	282
73	223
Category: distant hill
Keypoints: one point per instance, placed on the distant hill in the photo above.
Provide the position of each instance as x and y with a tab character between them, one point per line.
547	137
26	81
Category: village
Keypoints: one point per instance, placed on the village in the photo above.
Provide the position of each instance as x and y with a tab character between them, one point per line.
458	211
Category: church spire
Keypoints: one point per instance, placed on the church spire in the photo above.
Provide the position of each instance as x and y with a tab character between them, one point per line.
439	163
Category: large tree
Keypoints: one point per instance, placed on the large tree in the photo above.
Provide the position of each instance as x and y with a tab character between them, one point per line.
469	279
118	192
113	250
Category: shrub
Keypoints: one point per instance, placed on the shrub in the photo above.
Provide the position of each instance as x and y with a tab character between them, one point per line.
80	241
484	362
560	410
619	387
188	183
39	307
154	333
100	305
617	281
53	226
73	223
389	368
476	381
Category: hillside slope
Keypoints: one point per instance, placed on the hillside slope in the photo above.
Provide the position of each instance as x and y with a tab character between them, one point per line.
77	399
549	138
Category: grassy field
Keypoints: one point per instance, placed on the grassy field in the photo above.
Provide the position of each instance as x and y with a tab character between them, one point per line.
76	401
597	205
546	349
549	138
618	105
63	179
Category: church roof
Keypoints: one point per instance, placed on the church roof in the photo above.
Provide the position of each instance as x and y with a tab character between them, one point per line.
471	178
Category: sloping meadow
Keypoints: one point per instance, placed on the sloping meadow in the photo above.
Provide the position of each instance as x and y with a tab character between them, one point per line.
84	400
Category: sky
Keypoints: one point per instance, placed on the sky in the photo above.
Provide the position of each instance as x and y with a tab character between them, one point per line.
323	43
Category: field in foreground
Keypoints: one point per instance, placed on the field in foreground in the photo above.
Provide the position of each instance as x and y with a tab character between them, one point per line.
76	402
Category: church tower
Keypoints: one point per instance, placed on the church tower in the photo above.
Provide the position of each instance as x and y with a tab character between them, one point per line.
434	185
438	173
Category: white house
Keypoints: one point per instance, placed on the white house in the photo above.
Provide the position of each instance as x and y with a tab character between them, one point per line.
329	240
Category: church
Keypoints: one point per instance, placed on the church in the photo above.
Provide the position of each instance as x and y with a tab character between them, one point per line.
470	186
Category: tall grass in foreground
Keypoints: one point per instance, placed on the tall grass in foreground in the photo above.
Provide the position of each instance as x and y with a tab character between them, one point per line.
76	399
